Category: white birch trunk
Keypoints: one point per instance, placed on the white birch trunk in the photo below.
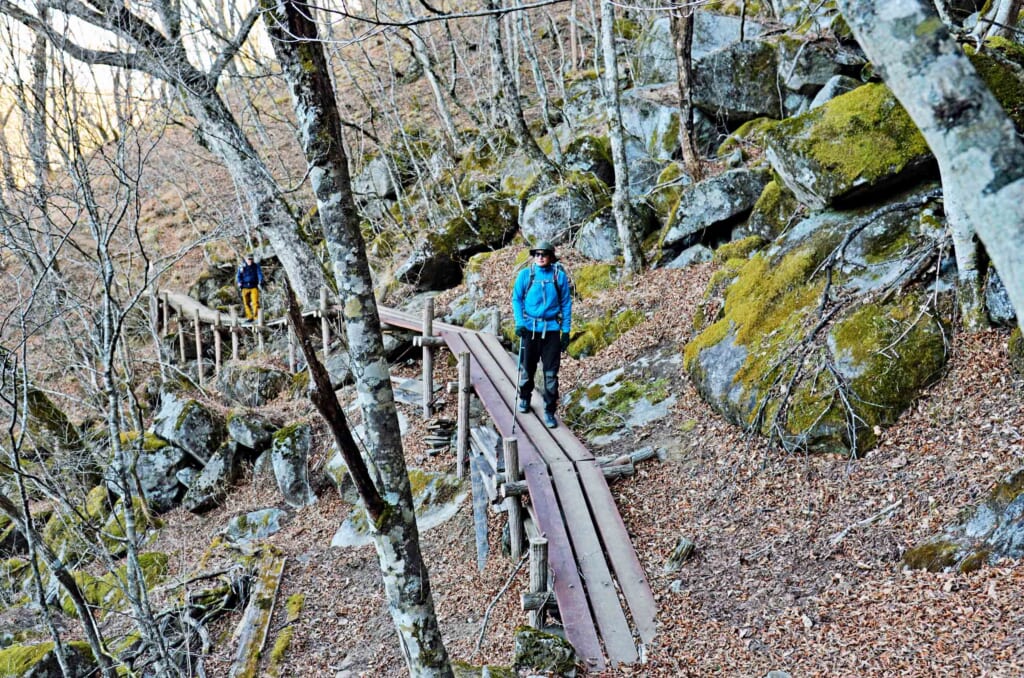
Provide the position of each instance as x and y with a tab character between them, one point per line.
406	580
631	255
974	141
999	20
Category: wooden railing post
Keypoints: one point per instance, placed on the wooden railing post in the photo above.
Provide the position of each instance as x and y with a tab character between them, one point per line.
428	356
154	312
291	348
217	341
538	576
462	433
259	330
325	327
510	450
234	334
181	338
199	345
495	324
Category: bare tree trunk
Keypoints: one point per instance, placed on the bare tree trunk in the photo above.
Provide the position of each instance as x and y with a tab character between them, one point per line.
422	54
294	36
999	21
681	21
970	286
971	136
631	254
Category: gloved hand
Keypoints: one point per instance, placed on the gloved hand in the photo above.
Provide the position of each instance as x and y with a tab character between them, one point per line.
565	342
520	330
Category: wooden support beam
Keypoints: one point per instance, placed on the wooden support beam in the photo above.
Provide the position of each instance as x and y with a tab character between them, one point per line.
538	576
428	357
325	327
536	601
513	489
510	448
494	327
259	330
291	349
217	341
432	342
462	431
199	347
234	334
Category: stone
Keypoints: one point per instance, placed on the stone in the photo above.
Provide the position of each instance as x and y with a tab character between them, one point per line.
157	469
836	85
719	199
289	454
249	385
727	83
40	661
683	551
254	525
557	214
189	425
250	430
210	487
857	143
997	301
535	650
806	65
695	254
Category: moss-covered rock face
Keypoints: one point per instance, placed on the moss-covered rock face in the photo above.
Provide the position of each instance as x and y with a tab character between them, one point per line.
49	426
748	138
556	214
665	195
859	140
1015	350
1000	66
538	651
775	210
106	593
764	335
591	154
738	82
487	224
596	334
590	279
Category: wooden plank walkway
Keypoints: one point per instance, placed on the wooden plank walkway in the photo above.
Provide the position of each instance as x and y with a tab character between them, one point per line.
596	575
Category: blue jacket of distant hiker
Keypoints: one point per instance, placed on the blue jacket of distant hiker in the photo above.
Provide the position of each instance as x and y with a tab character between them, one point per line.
249	276
542	299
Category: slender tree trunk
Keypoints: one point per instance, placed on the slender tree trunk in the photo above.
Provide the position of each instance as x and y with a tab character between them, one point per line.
406	581
631	254
999	21
681	21
971	136
970	286
419	48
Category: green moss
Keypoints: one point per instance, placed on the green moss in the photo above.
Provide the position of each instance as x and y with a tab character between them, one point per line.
490	222
627	28
17	660
973	561
97	502
934	556
750	133
106	592
47	420
774	210
300	383
150	441
462	669
599	333
615	406
886	137
284	434
739	249
591	279
1001	79
664	197
1007	490
477	261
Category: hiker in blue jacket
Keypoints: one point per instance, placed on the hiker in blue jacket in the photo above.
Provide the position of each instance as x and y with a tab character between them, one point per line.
542	305
250	281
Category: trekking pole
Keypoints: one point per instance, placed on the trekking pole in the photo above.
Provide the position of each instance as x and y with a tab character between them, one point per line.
515	385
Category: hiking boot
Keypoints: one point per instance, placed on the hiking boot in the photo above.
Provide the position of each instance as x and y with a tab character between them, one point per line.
524	405
549	420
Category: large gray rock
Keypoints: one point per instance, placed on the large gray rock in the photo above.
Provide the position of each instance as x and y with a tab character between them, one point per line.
289	455
208	489
836	85
251	385
997	301
859	142
40	661
254	525
250	430
695	254
541	652
720	199
737	83
989	531
190	425
598	239
847	379
807	65
157	469
656	60
557	214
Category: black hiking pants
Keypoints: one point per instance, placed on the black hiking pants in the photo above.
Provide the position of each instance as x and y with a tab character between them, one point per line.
545	348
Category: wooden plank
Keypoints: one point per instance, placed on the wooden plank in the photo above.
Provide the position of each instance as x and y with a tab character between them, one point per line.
479	512
579	625
601	591
628	571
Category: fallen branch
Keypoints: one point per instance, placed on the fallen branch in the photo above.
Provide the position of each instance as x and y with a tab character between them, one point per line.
839	536
487	612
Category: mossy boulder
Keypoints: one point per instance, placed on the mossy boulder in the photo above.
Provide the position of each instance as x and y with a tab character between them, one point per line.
737	83
556	214
590	279
115	527
210	487
670	184
254	525
49	426
718	200
189	425
40	661
72	535
1015	350
157	465
859	141
776	209
250	430
251	385
985	533
539	651
590	153
436	498
12	542
590	337
598	238
1000	66
289	453
106	593
807	63
767	361
626	398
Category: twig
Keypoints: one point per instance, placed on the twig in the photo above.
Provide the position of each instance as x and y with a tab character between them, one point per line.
487	612
839	536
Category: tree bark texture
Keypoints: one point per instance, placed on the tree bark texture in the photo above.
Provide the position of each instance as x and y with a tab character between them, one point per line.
294	36
681	23
974	142
631	254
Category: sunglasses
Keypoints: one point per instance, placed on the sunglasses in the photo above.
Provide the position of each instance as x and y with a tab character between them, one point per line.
542	254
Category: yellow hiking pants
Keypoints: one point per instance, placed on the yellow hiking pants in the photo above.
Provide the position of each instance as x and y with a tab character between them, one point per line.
251	302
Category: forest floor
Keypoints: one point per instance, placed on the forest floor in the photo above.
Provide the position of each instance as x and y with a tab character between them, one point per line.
785	576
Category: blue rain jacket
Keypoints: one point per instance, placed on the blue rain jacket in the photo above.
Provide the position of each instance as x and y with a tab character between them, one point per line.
542	305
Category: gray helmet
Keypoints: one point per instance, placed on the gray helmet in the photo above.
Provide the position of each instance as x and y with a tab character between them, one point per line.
543	246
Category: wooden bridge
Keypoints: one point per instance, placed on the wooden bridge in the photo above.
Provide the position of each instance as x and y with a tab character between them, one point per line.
605	603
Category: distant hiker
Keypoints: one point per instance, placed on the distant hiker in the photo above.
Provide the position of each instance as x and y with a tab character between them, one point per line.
250	281
542	305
